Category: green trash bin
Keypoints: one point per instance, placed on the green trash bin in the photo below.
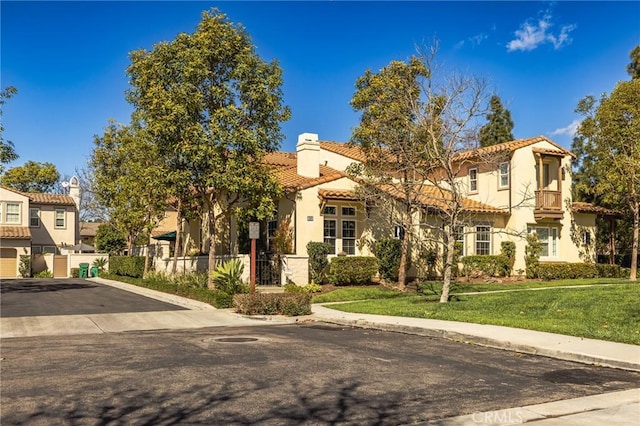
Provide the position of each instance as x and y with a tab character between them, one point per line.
94	271
84	270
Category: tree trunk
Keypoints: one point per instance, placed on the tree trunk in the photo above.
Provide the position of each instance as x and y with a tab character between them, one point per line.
147	257
130	240
176	248
212	247
448	266
634	249
404	252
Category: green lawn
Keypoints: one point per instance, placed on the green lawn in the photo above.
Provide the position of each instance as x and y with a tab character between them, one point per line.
607	312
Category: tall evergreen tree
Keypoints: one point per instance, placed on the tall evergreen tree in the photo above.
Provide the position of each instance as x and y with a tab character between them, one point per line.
634	66
500	125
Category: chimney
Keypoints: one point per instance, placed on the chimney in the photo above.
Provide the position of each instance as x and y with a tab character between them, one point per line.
308	149
74	191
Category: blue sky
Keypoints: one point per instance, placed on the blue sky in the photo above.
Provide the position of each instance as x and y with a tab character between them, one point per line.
68	59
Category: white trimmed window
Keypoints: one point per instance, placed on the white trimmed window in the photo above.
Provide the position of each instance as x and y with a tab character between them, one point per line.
473	180
586	238
329	211
349	236
398	232
483	239
458	235
61	218
503	175
548	238
348	211
12	213
34	218
49	249
330	234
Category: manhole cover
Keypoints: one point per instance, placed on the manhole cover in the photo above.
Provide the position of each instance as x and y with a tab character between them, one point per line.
235	339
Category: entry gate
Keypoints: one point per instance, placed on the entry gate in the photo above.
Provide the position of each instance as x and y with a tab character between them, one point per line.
267	269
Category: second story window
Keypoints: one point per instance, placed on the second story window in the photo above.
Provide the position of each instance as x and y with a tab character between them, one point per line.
60	218
34	218
473	180
12	213
503	178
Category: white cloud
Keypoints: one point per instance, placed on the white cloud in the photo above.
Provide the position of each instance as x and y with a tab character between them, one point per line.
569	130
533	34
473	41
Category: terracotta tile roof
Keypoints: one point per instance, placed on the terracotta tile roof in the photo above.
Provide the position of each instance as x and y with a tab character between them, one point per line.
547	151
89	229
292	181
431	196
280	159
343	149
356	153
38	198
508	147
337	194
580	207
15	233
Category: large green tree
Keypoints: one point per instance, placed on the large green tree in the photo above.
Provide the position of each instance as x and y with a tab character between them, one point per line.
500	126
415	119
634	66
32	176
7	149
214	108
130	178
608	149
110	240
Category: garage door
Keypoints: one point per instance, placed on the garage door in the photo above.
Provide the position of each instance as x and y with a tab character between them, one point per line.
8	263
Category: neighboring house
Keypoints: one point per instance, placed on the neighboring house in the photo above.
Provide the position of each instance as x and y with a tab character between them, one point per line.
34	223
526	187
88	232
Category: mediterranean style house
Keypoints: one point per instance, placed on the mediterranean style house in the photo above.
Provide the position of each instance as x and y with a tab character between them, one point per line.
525	188
35	223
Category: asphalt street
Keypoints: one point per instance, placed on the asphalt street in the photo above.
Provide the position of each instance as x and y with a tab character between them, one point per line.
283	374
44	297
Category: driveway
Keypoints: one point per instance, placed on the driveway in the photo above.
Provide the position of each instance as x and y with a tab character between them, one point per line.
74	296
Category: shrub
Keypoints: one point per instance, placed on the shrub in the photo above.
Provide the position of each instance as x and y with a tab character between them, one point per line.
318	260
290	304
193	280
508	250
488	265
353	270
127	266
228	277
609	271
309	288
562	271
532	253
24	269
388	252
44	274
75	272
100	263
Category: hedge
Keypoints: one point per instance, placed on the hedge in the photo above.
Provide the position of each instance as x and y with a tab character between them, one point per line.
388	251
290	304
352	270
609	271
489	265
561	271
127	266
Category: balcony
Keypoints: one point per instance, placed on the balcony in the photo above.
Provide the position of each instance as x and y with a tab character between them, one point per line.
548	205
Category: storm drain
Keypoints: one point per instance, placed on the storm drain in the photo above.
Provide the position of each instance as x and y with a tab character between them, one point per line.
231	339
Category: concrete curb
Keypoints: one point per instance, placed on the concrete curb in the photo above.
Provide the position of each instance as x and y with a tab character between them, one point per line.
563	354
153	294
